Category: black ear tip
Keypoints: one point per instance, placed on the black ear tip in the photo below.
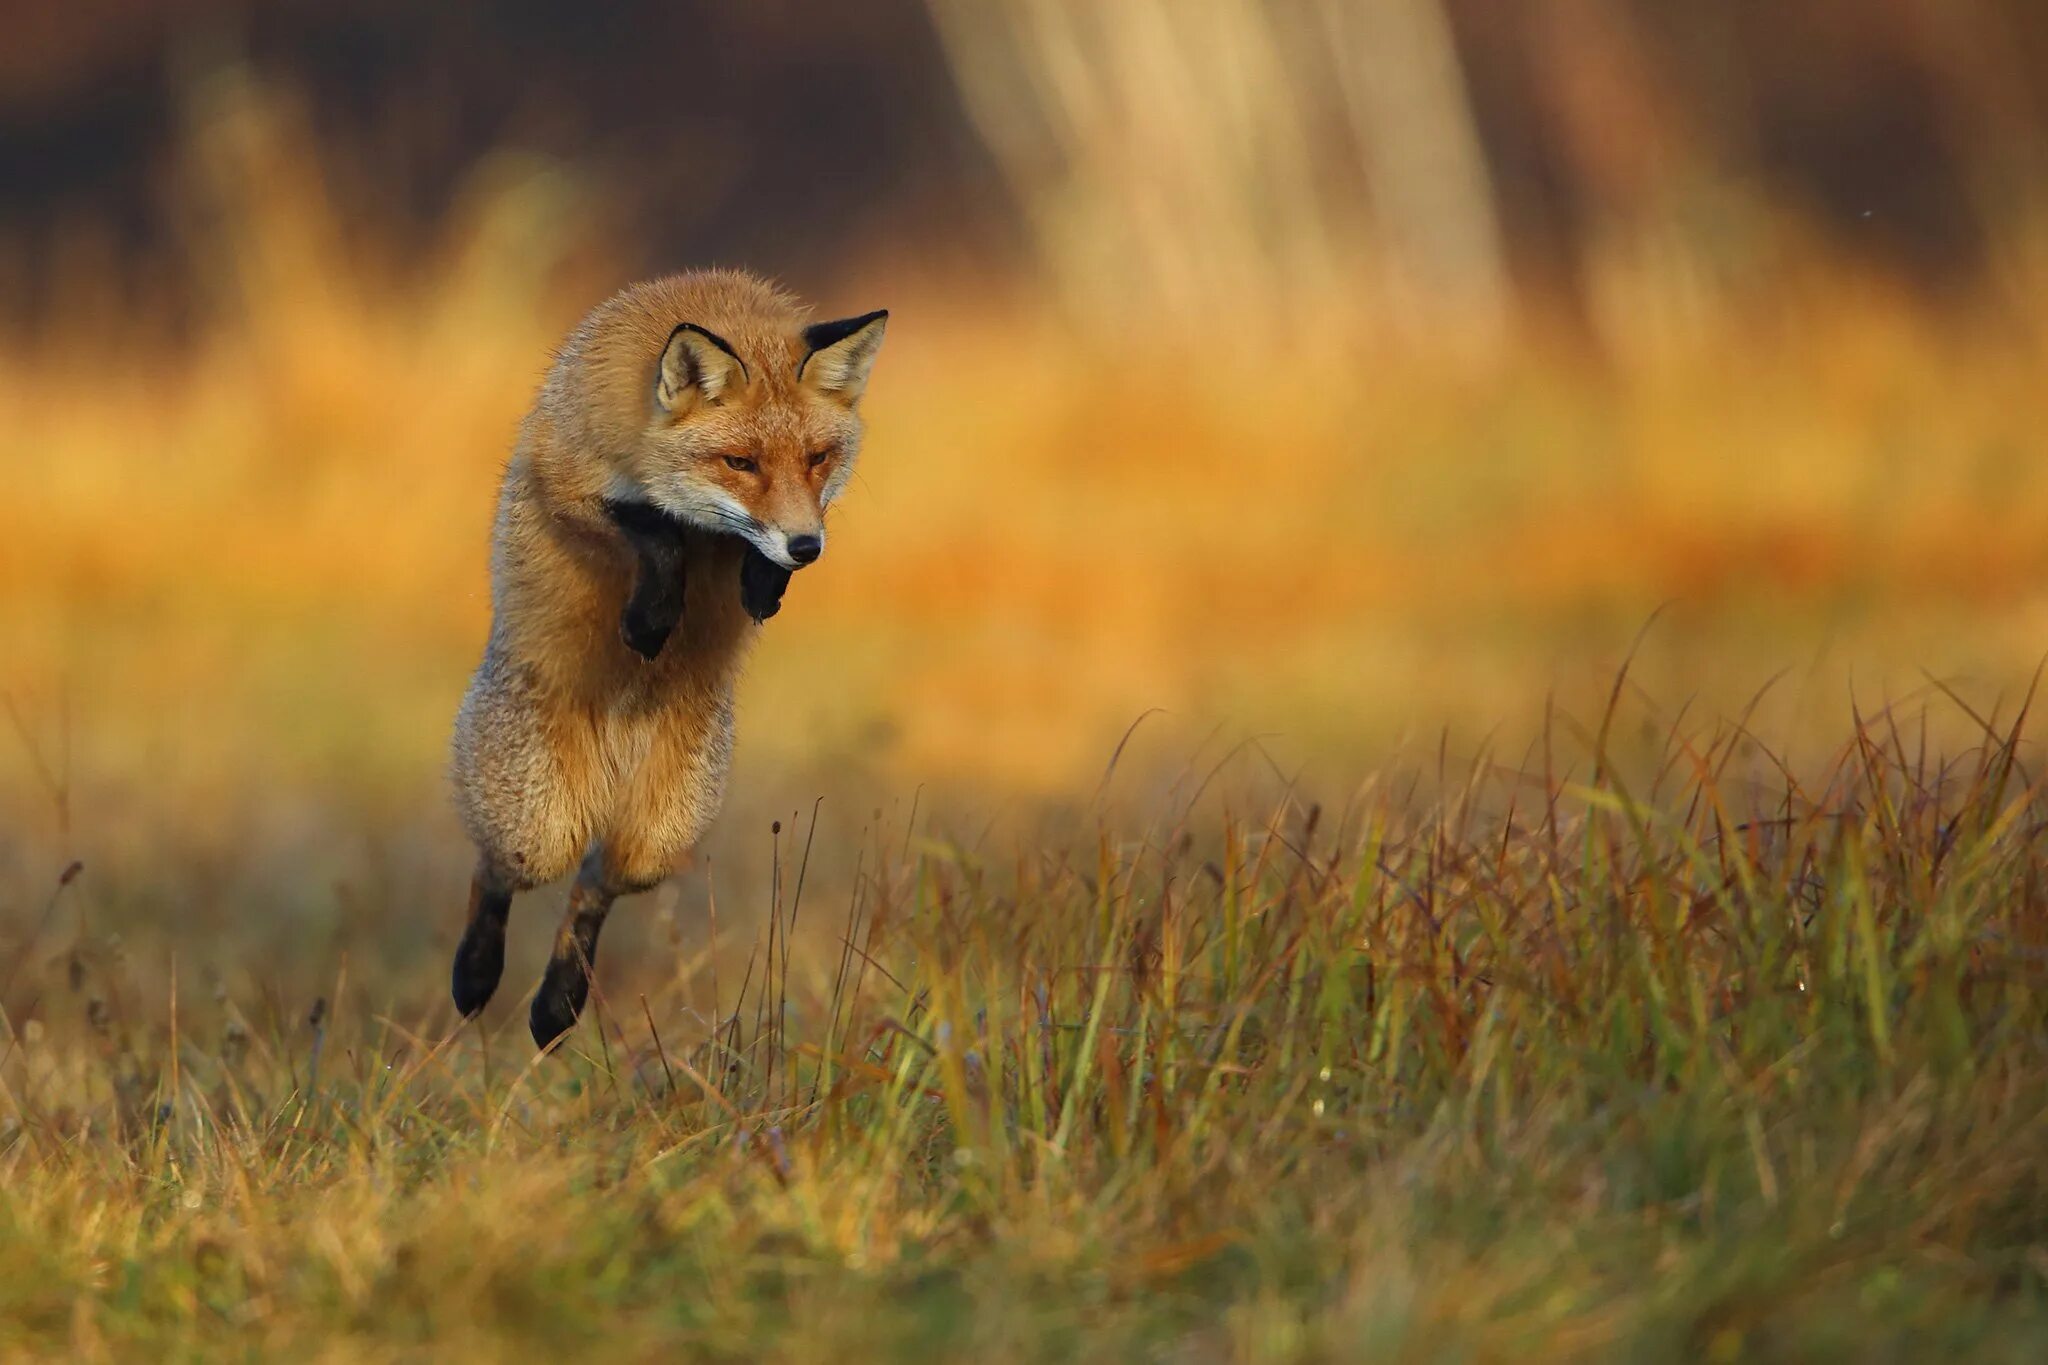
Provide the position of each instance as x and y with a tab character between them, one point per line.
819	335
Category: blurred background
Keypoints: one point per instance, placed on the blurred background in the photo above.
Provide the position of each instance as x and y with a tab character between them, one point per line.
1358	376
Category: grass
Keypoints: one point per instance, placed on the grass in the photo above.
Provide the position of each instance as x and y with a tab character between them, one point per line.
1694	1063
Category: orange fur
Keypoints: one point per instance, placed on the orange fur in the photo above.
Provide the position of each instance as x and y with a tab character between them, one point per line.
570	748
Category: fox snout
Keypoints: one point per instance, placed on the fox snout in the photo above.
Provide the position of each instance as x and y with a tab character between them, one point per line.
789	549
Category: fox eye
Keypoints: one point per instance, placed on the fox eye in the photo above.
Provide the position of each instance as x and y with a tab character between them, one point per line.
742	463
819	457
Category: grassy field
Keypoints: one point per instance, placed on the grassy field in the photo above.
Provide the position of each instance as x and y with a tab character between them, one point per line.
1682	1066
1412	984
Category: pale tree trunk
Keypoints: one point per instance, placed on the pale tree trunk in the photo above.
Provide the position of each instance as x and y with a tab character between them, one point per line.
1405	94
1189	160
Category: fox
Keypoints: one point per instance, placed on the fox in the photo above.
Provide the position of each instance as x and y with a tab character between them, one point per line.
673	473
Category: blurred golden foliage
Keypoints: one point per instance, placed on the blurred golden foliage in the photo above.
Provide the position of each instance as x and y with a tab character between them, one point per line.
245	553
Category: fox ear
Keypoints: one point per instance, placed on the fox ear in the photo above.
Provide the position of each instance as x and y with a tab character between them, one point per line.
838	355
699	361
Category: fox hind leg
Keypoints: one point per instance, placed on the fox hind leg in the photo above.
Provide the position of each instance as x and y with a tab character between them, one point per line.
672	798
480	957
566	984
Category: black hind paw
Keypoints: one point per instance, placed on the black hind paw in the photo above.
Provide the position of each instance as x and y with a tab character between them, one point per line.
558	1002
479	962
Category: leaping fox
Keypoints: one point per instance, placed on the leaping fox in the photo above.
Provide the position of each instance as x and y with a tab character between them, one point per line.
673	472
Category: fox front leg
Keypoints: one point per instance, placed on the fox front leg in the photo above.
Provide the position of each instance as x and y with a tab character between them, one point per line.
762	582
654	607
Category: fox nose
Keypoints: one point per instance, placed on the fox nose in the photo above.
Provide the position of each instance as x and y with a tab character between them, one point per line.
804	549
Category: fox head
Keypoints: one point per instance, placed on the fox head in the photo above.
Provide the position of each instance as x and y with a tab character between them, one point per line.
755	435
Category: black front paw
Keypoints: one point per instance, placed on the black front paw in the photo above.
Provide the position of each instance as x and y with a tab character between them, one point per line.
654	605
646	631
762	582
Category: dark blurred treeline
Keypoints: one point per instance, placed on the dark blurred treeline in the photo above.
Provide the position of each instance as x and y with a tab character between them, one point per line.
771	131
1908	128
788	133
